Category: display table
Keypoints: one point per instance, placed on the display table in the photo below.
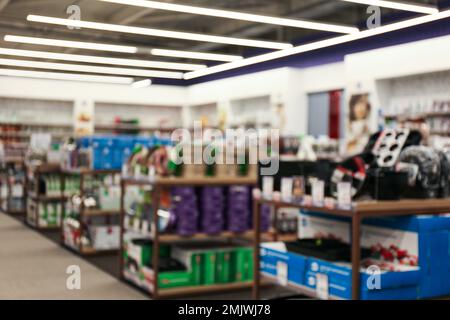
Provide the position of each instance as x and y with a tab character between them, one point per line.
360	210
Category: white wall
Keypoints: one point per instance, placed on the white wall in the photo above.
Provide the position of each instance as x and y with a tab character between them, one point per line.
70	90
288	86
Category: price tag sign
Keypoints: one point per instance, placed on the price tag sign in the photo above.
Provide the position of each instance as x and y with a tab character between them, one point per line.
145	227
137	224
318	193
267	187
344	195
322	286
282	273
286	189
126	222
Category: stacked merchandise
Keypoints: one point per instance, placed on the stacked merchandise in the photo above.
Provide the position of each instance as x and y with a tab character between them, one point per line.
212	208
198	264
48	213
265	216
111	152
184	208
99	233
238	209
71	184
92	214
190	210
50	185
402	258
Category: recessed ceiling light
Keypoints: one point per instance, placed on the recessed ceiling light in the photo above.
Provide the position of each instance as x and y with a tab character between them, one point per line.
64	76
420	8
141	84
100	60
91	69
237	15
195	55
160	33
318	45
71	44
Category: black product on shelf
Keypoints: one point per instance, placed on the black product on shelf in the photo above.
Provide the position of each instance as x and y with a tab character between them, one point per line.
413	138
423	165
325	249
387	184
320	169
167	264
444	191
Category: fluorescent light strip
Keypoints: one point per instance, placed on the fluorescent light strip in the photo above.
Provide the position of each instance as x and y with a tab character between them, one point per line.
398	5
194	55
71	44
237	15
100	60
318	45
142	84
64	76
159	32
122	49
91	69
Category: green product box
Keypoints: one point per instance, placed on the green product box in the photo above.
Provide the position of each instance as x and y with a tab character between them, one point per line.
174	279
239	264
242	264
192	260
248	264
224	267
196	268
210	267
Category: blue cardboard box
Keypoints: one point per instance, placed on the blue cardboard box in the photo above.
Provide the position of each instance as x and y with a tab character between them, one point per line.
275	253
123	148
392	284
425	237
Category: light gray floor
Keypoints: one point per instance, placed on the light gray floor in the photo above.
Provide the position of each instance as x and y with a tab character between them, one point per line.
33	267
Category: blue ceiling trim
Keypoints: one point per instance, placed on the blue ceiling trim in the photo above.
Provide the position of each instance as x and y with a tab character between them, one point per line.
338	52
334	53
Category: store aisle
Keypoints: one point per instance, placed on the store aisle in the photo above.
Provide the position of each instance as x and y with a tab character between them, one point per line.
33	267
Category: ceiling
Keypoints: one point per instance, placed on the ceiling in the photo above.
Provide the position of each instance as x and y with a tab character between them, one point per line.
13	21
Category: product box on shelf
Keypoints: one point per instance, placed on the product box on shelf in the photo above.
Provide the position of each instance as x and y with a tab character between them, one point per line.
242	262
286	267
375	284
109	197
166	280
105	237
211	264
123	148
421	241
102	153
224	274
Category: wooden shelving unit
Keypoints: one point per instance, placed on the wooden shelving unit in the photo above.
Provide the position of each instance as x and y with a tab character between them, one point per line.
360	210
158	185
35	196
84	212
426	116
